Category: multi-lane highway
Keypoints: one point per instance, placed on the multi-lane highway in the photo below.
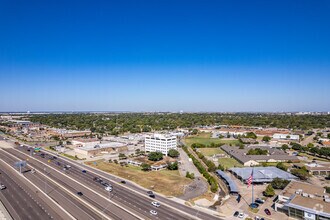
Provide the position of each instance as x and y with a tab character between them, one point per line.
21	201
126	201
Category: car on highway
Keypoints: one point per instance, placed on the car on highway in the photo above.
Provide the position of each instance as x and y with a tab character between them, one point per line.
123	182
84	171
67	166
236	214
2	187
108	188
58	163
267	212
106	184
150	192
80	193
156	204
33	171
153	212
152	196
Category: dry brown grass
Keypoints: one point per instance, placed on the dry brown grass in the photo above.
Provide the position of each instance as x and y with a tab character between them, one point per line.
166	182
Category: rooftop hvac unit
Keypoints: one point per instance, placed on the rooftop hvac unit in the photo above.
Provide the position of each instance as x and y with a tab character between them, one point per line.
305	195
311	196
327	200
326	196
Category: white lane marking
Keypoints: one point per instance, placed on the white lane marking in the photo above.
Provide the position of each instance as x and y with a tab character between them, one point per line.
72	194
126	210
90	169
69	215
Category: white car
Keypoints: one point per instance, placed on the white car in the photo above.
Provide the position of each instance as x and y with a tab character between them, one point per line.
108	188
67	166
2	187
33	171
153	212
240	215
156	204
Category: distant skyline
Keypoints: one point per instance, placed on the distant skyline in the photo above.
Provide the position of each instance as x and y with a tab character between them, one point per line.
166	55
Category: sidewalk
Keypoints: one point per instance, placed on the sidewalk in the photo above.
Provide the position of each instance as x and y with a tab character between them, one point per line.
4	215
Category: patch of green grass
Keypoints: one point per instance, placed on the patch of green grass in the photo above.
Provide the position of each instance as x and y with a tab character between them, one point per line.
229	163
210	151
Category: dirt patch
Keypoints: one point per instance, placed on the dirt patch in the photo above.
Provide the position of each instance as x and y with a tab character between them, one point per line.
166	182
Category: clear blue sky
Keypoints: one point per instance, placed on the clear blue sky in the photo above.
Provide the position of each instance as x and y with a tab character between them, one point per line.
165	55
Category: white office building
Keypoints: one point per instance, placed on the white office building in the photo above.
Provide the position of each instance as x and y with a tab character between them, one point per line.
160	143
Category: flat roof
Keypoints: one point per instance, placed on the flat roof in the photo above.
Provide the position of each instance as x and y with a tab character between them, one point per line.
311	205
262	174
232	185
102	146
293	186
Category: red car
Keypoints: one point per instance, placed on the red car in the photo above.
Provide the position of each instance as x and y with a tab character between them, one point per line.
267	212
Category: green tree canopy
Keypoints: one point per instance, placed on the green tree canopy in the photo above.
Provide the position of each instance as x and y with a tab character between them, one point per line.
269	192
155	156
173	153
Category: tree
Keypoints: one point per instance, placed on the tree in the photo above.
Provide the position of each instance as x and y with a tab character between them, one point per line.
257	151
285	147
173	153
172	166
194	132
266	138
281	166
328	135
251	135
190	175
269	192
145	167
302	173
279	183
155	156
310	145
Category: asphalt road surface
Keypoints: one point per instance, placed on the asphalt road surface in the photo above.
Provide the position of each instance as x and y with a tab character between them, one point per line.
20	201
129	196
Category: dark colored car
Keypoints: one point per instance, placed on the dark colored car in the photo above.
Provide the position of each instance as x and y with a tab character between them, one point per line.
80	193
58	163
260	201
28	149
267	212
152	195
123	182
236	213
84	171
95	178
150	192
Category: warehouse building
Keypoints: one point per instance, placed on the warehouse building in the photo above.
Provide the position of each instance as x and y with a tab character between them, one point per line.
94	149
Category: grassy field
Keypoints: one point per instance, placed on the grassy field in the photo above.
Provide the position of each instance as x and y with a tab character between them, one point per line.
210	151
167	182
205	138
229	163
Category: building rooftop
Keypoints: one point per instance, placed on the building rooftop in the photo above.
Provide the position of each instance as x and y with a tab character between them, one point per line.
103	145
262	174
308	197
294	186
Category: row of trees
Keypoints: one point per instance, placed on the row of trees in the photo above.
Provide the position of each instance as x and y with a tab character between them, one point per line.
321	151
210	179
257	151
145	122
